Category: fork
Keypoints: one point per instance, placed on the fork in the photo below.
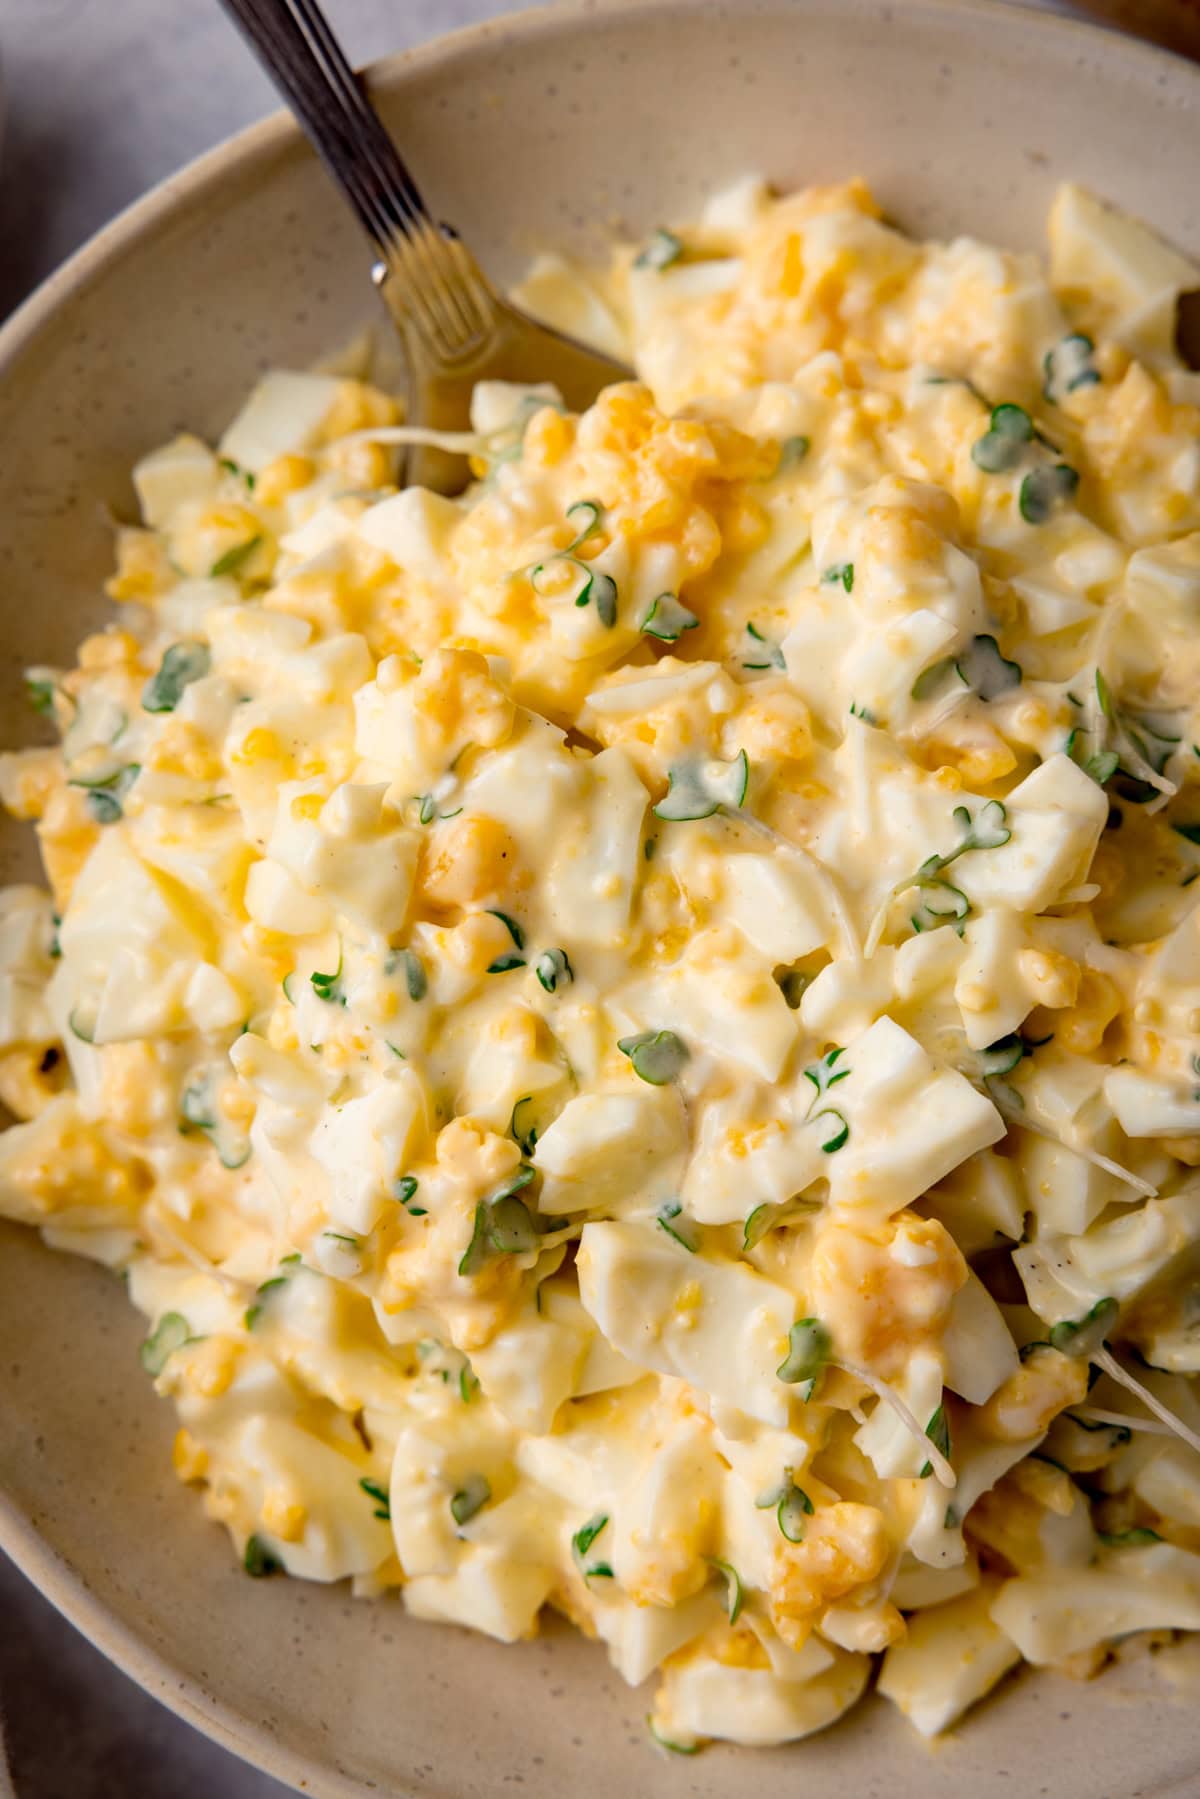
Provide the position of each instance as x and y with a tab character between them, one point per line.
455	328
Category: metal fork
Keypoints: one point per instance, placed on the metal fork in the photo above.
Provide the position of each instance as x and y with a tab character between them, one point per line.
455	328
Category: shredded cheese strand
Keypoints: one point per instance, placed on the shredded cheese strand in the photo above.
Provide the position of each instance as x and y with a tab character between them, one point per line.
1125	1420
1105	1359
463	443
941	1467
1089	1155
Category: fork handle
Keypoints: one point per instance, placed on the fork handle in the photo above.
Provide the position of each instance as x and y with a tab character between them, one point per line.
294	43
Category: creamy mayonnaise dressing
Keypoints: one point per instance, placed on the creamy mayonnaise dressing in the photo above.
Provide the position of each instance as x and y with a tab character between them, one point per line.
636	1032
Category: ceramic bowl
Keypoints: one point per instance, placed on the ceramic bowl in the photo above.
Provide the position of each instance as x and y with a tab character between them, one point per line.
550	128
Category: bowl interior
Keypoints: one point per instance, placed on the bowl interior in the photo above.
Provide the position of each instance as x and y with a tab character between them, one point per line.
552	128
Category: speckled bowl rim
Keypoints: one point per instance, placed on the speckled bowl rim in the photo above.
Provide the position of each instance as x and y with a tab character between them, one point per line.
65	1589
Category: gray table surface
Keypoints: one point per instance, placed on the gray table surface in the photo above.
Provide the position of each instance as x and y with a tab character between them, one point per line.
104	98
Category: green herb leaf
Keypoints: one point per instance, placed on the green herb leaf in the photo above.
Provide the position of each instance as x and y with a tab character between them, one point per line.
988	830
596	588
503	1224
941	903
1083	1336
809	1348
232	560
470	1498
1004	1095
170	1333
668	619
1044	489
182	664
666	1743
551	967
198	1112
793	983
668	1218
604	594
523	1125
40	695
791	1506
512	1230
506	963
791	1512
758	1223
383	1504
930	680
259	1561
587	1533
267	1287
587	516
1003	445
1129	1539
825	1073
196	1106
510	924
477	1252
513	1183
735	1593
697	788
582	1541
1000	1057
938	1432
81	1021
986	670
792	452
657	1056
238	472
1068	366
1120	1433
840	571
660	250
1102	766
836	1133
767	653
105	798
415	978
329	986
405	1189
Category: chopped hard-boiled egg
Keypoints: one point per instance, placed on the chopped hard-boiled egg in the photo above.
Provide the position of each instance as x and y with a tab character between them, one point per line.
636	1031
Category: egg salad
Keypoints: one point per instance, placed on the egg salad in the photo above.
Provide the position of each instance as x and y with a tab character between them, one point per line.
635	1034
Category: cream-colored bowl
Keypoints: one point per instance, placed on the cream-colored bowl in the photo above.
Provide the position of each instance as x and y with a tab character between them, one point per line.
550	128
